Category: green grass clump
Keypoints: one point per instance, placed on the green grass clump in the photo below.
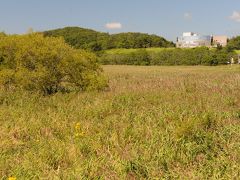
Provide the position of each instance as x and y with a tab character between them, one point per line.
237	51
151	123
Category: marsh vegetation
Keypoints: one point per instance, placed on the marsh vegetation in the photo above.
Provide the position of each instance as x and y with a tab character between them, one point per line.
168	122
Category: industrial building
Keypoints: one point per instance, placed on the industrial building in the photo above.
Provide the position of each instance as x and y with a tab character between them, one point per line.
219	40
192	40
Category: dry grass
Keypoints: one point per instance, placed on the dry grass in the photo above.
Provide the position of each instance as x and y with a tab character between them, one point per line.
152	122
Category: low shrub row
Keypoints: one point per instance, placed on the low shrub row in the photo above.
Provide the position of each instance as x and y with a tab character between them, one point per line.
196	56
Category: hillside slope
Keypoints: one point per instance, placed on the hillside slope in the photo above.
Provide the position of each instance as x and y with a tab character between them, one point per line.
92	40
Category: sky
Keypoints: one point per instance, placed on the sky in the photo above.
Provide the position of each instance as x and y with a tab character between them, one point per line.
167	18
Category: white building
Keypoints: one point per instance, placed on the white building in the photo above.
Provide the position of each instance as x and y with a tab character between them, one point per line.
192	40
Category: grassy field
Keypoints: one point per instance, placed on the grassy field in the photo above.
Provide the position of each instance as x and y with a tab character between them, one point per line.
152	122
127	51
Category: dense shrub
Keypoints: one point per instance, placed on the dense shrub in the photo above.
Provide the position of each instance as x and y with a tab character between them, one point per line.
46	64
196	56
234	44
140	57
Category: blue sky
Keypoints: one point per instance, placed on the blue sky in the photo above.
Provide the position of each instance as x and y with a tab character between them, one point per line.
167	18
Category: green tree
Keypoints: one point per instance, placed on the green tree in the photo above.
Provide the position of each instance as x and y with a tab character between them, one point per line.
234	44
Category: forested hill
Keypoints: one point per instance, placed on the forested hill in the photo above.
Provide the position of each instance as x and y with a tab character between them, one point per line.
93	40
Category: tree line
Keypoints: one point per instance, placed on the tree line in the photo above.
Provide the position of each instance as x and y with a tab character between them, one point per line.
82	38
173	56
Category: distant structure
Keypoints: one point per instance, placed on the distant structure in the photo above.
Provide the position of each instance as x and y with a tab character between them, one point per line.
232	61
192	40
219	40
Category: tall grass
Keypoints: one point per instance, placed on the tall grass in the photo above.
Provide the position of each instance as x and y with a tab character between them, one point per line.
152	122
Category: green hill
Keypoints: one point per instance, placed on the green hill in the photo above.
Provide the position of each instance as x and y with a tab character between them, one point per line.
82	38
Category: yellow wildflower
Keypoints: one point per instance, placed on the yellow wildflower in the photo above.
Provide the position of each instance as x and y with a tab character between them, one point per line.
78	130
12	178
81	134
78	126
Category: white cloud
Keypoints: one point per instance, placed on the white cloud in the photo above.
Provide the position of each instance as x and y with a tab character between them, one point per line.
114	25
235	16
187	16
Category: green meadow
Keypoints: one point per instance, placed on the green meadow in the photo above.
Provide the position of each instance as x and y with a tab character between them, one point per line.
150	50
150	123
127	51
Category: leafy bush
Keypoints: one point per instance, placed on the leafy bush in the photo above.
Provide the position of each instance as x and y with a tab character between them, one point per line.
234	44
46	64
